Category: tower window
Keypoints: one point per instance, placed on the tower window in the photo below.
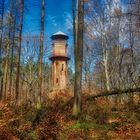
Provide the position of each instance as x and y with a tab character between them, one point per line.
57	80
62	67
57	63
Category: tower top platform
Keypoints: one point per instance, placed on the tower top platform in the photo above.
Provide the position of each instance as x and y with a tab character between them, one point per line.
59	35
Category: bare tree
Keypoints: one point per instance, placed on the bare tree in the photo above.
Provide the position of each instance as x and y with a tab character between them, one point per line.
1	32
1	25
21	10
79	30
41	49
12	38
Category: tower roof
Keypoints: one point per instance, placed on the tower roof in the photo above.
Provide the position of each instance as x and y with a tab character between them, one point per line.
59	35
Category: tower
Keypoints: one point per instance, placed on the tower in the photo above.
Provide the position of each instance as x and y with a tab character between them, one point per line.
59	60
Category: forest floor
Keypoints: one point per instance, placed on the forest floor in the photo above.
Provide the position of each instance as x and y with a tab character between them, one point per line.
98	121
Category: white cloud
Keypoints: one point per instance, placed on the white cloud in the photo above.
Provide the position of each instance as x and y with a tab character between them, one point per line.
52	19
68	21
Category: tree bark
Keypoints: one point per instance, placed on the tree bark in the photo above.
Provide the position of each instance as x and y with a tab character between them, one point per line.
41	50
78	57
1	73
2	15
12	57
19	51
105	62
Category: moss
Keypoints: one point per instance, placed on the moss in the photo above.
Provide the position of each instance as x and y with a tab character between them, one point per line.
88	125
32	135
85	129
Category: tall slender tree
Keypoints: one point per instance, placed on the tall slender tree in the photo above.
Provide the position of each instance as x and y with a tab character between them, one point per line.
1	32
21	10
1	26
13	26
41	49
78	32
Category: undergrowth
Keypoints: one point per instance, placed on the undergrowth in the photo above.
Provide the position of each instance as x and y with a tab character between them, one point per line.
55	121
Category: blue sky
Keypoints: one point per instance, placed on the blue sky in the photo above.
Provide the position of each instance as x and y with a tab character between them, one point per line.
57	16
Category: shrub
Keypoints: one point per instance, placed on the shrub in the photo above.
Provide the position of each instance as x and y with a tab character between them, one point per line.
99	114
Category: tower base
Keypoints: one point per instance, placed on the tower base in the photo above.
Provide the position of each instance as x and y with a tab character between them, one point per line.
63	94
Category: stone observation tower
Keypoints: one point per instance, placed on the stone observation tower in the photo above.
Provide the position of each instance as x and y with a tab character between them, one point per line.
59	60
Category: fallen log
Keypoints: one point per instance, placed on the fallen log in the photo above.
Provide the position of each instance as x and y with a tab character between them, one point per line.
115	92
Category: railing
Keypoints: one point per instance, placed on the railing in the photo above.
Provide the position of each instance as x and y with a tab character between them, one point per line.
60	41
60	54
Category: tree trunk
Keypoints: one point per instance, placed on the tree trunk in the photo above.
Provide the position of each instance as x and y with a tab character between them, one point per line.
2	15
19	50
105	63
106	72
1	73
5	72
41	50
79	27
6	62
12	46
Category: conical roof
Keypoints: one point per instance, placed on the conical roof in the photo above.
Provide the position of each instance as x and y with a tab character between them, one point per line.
59	35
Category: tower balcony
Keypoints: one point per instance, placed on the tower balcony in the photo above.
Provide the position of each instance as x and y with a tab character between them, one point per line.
59	56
